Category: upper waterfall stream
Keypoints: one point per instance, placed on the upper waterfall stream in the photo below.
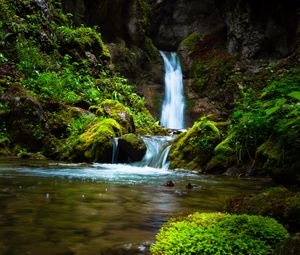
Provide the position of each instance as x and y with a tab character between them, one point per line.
173	106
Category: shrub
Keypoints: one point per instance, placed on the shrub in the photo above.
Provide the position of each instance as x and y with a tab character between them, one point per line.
215	233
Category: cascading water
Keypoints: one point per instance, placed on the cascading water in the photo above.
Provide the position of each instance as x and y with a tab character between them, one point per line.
173	106
172	116
158	148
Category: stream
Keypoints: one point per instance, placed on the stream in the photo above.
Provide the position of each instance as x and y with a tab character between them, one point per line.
54	208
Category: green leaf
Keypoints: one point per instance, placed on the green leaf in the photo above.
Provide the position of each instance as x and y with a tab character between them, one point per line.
295	94
272	110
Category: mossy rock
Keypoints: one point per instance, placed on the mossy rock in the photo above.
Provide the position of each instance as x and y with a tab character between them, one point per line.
279	161
279	203
291	246
216	233
96	144
131	148
117	111
194	148
224	155
25	118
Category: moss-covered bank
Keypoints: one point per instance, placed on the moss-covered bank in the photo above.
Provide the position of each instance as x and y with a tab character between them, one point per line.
59	94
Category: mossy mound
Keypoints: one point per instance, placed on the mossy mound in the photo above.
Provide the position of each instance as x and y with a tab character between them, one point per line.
117	111
224	155
194	148
96	144
279	203
215	233
131	148
274	157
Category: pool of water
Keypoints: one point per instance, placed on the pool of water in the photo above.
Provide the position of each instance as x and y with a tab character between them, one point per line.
50	208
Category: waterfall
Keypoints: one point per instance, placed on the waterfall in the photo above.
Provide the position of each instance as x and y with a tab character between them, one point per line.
115	150
173	106
158	148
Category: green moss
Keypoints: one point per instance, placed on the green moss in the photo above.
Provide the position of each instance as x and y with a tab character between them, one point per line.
85	38
278	202
211	70
215	233
224	154
191	41
95	145
194	148
131	148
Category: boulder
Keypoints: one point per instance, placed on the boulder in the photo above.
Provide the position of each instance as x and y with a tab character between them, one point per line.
96	144
131	148
115	110
193	149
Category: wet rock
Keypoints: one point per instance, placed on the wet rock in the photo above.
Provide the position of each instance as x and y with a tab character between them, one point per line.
191	186
169	184
96	144
131	148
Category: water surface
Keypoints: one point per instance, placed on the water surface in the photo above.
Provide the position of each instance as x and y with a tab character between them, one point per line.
54	208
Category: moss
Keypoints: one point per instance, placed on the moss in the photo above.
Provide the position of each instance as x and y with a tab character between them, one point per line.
194	148
275	158
95	145
211	70
216	233
117	111
224	155
278	202
85	39
190	42
131	148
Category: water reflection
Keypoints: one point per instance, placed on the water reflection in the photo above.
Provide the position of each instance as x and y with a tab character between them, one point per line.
53	208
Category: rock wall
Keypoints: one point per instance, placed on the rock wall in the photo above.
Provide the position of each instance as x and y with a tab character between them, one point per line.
172	21
117	19
220	33
260	28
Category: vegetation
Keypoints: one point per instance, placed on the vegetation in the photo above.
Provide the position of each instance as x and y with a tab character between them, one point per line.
279	203
215	233
66	70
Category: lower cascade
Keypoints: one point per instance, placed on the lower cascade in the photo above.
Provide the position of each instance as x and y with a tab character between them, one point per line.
173	106
158	148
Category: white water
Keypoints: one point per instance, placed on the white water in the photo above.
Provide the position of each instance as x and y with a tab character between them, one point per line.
158	148
173	106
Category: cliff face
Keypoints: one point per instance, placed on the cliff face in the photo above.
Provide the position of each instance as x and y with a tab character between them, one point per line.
260	28
173	21
116	18
242	31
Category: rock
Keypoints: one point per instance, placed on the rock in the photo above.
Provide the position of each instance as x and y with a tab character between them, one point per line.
117	111
25	118
122	25
169	183
172	21
96	144
131	148
260	28
291	246
193	149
